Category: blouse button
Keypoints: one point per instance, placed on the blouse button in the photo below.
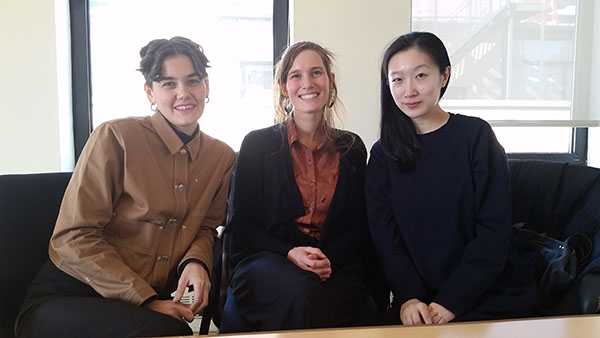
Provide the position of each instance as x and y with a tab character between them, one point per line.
183	151
173	221
179	186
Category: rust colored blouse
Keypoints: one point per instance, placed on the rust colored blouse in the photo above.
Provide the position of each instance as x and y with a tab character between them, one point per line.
316	172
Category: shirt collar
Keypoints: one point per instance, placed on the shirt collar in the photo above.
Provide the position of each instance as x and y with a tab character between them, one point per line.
170	138
292	134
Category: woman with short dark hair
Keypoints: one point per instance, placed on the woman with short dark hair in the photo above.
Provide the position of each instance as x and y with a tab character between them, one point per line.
138	218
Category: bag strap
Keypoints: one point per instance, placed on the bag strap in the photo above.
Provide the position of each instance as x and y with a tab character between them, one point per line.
582	245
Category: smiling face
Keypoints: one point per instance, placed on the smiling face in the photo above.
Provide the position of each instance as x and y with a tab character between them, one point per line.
307	83
180	93
415	83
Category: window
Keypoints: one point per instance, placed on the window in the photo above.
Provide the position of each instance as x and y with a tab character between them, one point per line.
513	65
238	37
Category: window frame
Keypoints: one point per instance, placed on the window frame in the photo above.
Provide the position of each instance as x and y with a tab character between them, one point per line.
578	153
81	72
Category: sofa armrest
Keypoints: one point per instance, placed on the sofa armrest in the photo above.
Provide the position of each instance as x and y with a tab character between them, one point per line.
589	293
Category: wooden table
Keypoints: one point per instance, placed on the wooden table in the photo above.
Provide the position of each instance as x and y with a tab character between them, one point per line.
585	326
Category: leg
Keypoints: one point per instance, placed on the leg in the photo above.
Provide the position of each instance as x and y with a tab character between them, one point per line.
272	293
58	305
349	303
97	317
232	321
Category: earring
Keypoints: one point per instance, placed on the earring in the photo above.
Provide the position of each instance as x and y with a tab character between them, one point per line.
207	100
153	107
288	105
333	98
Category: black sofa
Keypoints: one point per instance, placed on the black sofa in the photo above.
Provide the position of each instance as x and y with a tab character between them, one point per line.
560	199
29	204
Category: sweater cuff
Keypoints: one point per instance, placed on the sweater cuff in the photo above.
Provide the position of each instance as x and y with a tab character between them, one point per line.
147	301
192	260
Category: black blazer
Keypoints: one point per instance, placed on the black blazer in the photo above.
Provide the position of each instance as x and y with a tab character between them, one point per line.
266	200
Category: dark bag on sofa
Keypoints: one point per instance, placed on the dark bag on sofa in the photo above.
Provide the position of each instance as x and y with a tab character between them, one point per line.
554	264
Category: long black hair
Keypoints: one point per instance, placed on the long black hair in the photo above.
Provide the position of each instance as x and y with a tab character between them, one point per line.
398	134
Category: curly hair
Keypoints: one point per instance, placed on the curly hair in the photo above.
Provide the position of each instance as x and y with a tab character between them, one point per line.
156	51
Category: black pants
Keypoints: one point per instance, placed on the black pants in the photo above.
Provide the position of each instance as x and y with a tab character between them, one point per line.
272	293
58	305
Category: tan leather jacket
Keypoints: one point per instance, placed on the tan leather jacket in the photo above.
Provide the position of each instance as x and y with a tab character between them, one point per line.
139	204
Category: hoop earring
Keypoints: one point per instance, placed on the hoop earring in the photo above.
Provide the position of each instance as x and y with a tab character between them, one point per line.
288	105
207	100
153	107
333	98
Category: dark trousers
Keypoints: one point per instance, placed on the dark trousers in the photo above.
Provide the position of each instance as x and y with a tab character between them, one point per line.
58	305
271	293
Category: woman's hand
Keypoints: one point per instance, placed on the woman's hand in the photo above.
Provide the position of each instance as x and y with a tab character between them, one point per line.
176	310
415	312
439	314
194	274
311	259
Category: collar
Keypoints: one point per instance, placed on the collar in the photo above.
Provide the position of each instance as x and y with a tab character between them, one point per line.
292	134
170	138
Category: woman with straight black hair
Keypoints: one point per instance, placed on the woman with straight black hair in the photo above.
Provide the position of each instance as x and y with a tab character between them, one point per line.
438	198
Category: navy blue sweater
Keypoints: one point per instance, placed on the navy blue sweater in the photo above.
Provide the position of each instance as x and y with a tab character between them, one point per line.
442	230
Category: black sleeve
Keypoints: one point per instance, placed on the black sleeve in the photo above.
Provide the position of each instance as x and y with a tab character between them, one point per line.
399	269
247	226
485	255
349	209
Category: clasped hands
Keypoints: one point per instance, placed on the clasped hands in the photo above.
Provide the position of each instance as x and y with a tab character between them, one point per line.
194	275
311	259
415	312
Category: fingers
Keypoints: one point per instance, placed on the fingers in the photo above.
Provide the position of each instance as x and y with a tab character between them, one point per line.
201	295
315	253
425	314
194	275
201	283
311	259
181	285
321	267
415	312
176	310
184	312
440	315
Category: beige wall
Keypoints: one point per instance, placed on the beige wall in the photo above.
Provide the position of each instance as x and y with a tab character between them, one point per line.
29	132
357	32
